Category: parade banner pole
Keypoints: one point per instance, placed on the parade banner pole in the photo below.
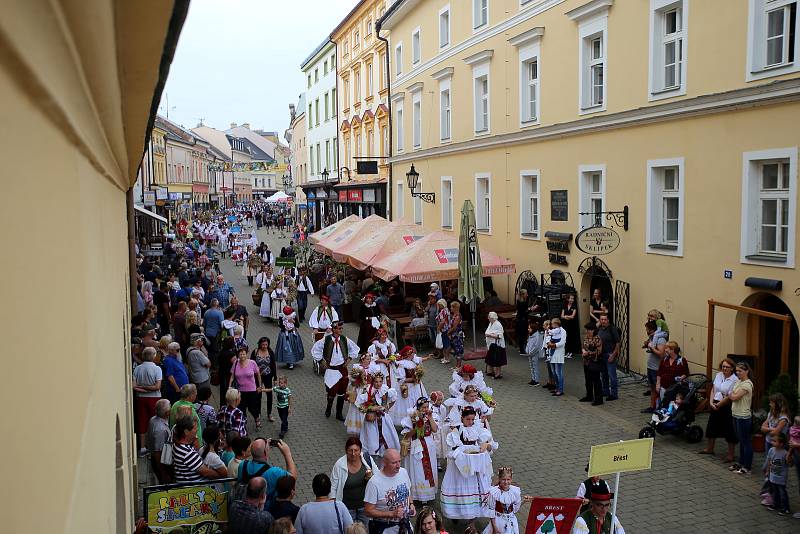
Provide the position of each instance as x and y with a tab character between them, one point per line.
614	505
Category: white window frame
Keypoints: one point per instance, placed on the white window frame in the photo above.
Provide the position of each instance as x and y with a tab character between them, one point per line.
658	42
447	202
416	47
369	80
416	119
588	30
480	69
529	49
656	242
445	111
398	60
585	196
751	184
526	194
757	67
400	201
477	23
445	11
398	110
480	202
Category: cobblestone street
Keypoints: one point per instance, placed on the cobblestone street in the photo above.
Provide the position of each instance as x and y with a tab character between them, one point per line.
545	439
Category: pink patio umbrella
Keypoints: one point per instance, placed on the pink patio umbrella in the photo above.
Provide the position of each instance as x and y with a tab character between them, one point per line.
331	244
338	226
382	241
433	258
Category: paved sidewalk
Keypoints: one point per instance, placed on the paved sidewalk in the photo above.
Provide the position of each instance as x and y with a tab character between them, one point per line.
547	441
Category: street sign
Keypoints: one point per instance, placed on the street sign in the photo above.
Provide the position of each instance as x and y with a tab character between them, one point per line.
282	261
621	456
149	198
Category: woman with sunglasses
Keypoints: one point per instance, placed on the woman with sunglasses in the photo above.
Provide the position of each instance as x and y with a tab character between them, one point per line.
720	419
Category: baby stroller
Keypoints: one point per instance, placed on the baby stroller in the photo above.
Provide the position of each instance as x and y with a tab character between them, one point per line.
678	420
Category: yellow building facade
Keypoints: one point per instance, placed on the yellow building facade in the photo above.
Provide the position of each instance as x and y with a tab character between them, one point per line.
363	107
80	82
159	147
548	113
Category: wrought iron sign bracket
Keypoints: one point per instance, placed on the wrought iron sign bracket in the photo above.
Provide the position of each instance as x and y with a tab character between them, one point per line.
430	198
619	218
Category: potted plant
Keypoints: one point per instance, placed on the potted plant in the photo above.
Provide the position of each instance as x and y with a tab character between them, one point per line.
781	384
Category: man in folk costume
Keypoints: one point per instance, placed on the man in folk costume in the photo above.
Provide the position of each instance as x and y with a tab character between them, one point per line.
304	289
332	352
322	318
370	322
598	520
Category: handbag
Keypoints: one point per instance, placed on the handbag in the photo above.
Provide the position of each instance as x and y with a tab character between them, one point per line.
166	451
234	382
439	343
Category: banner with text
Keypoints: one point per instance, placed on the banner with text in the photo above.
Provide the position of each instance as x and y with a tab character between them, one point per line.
552	516
169	508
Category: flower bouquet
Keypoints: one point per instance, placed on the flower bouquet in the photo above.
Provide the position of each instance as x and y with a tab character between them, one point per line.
488	399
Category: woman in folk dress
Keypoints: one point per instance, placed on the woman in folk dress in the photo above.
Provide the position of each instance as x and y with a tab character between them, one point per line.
252	265
359	375
440	416
289	349
264	281
377	432
505	500
383	351
409	386
278	297
370	317
419	427
465	376
473	400
466	483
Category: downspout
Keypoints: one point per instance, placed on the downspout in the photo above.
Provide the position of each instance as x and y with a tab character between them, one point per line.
389	191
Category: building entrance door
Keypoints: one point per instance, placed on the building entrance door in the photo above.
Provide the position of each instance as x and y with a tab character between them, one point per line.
764	339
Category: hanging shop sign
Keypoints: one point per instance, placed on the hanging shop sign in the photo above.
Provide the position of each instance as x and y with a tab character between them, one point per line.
149	198
557	246
343	196
354	195
559	205
162	193
242	166
369	195
597	240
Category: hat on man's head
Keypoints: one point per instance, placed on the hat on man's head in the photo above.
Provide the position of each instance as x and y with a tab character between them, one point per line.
194	337
601	495
324	298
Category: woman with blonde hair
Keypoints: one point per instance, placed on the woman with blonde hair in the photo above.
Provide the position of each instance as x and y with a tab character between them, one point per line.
193	323
455	334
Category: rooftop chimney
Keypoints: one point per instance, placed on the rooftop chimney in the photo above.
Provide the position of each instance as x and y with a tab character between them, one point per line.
233	125
246	125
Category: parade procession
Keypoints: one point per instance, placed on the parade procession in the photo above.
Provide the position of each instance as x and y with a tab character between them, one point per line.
401	266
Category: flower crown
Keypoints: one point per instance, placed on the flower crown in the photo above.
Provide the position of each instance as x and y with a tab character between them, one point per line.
505	471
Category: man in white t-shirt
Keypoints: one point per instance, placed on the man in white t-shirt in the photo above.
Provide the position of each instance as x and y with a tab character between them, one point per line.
147	386
387	499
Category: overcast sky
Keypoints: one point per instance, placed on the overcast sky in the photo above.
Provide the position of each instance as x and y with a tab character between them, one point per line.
239	60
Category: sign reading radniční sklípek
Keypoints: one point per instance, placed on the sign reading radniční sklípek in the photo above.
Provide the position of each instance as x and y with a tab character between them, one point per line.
597	240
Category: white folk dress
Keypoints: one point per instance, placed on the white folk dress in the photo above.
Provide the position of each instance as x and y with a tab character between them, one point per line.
440	416
382	351
503	507
466	483
264	280
378	435
421	462
405	368
457	405
459	384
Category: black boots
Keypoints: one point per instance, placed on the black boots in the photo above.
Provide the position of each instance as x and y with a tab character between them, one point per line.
328	409
339	407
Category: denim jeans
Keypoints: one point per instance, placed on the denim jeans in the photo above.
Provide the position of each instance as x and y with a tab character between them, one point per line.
780	498
743	427
302	304
558	371
283	413
358	515
533	362
610	387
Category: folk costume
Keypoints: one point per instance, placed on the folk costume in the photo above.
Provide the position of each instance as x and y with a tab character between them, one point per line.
466	483
354	419
334	351
457	405
419	429
385	350
474	378
322	318
587	523
370	322
279	295
503	507
409	387
264	281
440	417
289	348
378	432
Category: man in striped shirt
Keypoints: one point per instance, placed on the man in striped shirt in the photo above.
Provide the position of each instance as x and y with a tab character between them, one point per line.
187	462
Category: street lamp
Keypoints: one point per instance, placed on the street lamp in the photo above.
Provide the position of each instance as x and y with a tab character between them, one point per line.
412	177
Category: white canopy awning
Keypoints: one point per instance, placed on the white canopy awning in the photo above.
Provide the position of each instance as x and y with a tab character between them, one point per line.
149	213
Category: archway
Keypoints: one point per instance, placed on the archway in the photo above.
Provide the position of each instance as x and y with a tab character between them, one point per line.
763	337
596	275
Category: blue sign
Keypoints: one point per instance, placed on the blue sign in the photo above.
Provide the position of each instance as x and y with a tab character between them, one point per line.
236	230
311	194
231	218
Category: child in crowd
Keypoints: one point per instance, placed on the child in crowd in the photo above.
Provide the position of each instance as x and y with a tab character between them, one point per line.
228	454
283	401
671	409
206	412
533	349
283	506
777	469
241	451
551	379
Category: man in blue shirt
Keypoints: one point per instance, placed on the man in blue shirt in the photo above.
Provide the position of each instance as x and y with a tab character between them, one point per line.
174	372
212	320
335	292
259	466
222	292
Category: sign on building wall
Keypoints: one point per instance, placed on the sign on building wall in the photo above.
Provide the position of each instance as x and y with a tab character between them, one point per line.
149	198
559	205
174	508
597	240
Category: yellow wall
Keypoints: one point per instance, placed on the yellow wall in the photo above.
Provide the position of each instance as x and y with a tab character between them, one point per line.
78	89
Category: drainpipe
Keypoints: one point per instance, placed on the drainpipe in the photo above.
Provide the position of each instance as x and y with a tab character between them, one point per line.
389	191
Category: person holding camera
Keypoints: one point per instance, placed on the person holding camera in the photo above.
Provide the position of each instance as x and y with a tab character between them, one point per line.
259	466
349	478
